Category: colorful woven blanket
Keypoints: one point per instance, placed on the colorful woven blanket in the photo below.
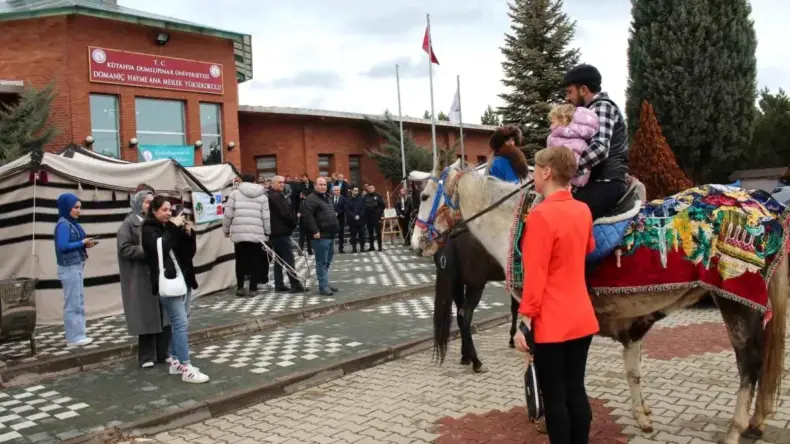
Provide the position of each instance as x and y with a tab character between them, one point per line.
724	239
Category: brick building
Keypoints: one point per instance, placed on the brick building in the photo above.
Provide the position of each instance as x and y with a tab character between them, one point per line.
131	83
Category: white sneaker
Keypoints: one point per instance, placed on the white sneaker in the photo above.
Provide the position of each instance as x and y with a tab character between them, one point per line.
193	375
81	342
148	364
176	367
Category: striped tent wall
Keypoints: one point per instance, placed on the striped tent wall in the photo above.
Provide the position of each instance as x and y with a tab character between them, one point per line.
103	211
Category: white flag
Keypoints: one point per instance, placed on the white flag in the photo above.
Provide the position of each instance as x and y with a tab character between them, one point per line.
455	108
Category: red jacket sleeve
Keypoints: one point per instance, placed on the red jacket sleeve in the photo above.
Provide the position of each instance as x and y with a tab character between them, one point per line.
536	250
591	240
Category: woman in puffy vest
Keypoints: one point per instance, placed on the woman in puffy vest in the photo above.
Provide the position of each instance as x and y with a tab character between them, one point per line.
507	162
71	252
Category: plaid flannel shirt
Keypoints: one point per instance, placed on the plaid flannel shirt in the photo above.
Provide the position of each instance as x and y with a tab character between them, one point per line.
598	149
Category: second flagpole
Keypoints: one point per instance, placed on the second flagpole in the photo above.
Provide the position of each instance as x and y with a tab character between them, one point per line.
430	76
460	120
400	121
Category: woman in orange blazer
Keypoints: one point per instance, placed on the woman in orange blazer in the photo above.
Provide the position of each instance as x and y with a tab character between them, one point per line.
555	304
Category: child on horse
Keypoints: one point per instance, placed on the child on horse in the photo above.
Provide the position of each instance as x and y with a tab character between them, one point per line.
573	127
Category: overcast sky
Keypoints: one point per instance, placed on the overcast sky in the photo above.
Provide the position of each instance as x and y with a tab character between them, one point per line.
341	55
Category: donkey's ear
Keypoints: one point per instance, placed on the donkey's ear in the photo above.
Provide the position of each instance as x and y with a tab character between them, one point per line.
442	159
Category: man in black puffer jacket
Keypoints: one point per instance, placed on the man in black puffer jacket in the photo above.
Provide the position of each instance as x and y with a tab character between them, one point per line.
320	222
283	224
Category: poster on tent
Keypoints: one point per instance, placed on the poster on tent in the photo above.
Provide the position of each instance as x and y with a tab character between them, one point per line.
203	210
185	155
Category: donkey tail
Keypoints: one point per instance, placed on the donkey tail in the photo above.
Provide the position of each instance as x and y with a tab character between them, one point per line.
448	282
774	340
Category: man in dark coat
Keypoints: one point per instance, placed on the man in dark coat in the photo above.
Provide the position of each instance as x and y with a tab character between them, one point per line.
320	222
355	213
283	224
374	210
339	202
403	210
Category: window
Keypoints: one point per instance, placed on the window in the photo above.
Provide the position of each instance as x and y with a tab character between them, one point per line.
266	167
355	170
160	122
324	165
104	125
481	160
211	133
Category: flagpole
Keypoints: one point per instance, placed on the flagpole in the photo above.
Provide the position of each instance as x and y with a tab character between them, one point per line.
400	119
460	119
430	76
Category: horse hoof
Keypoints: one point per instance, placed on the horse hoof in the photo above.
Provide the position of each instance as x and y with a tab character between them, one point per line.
511	344
647	428
648	411
465	361
752	432
479	368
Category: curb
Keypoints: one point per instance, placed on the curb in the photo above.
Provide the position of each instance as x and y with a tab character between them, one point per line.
223	404
78	361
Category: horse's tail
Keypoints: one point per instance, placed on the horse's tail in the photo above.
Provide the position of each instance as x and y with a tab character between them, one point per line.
774	340
448	283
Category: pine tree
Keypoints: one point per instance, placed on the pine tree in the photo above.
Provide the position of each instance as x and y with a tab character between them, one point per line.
490	117
694	61
651	159
771	139
24	125
442	116
536	59
387	155
426	115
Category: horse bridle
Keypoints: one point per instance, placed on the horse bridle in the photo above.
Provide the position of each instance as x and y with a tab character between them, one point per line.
450	204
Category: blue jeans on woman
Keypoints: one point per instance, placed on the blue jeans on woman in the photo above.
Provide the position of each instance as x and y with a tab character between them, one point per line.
324	252
179	342
71	278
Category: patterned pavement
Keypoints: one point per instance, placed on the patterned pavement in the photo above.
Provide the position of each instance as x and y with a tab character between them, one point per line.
359	276
689	379
71	405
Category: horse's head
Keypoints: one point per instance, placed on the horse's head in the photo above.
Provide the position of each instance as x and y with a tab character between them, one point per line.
437	211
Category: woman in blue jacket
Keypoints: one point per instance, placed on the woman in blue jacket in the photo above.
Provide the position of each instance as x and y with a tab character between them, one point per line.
71	246
508	162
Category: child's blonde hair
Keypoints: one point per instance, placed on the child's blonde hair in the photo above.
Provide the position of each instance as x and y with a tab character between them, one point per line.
562	114
562	162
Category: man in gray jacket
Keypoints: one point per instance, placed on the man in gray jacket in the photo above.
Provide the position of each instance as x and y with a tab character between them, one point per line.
247	224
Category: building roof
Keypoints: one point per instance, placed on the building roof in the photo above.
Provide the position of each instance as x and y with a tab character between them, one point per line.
110	10
354	116
764	173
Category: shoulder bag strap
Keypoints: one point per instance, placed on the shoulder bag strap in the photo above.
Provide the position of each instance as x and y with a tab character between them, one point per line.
160	257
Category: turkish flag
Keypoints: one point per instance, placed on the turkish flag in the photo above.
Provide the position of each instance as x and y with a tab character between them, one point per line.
427	47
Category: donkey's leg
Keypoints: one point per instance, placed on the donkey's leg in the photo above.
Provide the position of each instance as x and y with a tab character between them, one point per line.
744	328
473	296
632	357
460	302
514	319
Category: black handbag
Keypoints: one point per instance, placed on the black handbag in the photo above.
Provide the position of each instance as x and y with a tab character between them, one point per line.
532	391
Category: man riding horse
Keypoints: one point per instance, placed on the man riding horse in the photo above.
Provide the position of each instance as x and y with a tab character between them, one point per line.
607	154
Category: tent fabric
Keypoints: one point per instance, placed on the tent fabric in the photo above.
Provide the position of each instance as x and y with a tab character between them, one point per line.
105	188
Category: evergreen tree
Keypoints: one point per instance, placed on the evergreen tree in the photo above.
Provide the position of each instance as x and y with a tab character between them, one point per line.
490	117
536	59
24	125
771	140
443	116
426	115
694	61
651	159
387	155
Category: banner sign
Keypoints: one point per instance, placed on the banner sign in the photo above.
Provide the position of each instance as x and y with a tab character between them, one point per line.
153	71
203	210
185	155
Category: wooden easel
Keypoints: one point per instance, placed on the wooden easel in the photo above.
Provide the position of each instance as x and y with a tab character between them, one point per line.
389	223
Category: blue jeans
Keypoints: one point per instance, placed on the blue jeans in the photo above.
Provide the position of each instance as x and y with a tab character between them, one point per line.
74	301
179	342
324	252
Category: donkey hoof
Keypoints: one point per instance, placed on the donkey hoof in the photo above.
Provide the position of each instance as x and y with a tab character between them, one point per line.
752	432
465	361
479	368
648	411
511	344
647	428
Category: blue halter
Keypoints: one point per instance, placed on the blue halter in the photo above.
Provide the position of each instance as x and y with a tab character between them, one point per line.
441	192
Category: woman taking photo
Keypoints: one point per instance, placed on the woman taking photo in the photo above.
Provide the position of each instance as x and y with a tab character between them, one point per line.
168	282
145	317
555	307
71	252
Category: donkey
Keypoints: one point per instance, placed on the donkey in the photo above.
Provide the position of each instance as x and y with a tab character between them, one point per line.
759	348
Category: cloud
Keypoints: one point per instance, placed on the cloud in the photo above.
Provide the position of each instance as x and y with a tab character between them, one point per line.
309	79
408	67
405	20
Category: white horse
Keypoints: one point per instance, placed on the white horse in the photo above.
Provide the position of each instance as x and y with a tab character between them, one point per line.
759	352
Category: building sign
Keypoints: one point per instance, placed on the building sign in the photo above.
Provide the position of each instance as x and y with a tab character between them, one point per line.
203	210
185	155
153	71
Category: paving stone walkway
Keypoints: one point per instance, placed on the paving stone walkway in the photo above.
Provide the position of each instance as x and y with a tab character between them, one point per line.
361	275
689	378
72	405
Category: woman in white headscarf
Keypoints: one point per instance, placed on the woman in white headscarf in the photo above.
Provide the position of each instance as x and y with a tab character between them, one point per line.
144	314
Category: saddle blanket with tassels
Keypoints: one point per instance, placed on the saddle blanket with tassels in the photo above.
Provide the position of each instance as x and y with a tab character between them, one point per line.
727	240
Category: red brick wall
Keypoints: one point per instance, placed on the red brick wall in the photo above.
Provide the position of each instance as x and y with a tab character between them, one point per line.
298	140
38	51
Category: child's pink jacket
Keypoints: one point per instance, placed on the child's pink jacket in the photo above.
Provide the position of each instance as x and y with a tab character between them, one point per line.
576	137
